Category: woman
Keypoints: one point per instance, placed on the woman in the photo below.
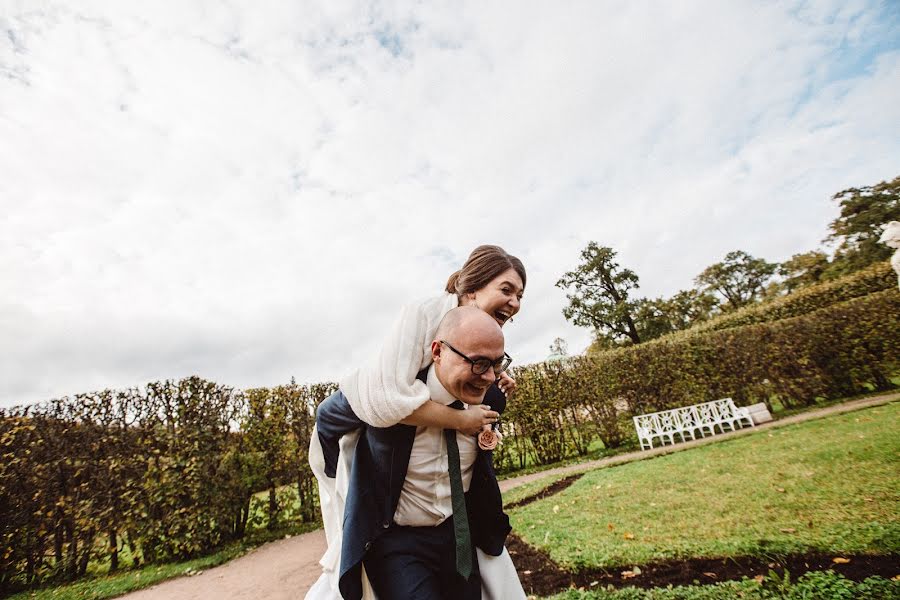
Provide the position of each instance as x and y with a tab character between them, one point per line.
386	392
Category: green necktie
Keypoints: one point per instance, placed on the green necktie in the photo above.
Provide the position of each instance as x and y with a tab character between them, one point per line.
460	519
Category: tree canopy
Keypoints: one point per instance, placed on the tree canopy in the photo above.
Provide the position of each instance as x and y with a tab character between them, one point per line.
856	231
739	278
599	295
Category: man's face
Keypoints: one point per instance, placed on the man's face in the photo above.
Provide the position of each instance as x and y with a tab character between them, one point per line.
455	372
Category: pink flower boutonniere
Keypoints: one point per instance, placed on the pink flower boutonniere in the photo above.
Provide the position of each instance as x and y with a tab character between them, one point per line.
488	438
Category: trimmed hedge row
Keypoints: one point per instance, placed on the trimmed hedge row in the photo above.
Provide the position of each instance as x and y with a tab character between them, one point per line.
876	278
841	350
168	471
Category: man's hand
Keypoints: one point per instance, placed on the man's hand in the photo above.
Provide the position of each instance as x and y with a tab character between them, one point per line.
506	384
473	419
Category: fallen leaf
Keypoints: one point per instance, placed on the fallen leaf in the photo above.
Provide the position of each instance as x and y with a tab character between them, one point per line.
839	560
610	526
526	572
593	583
628	536
779	490
556	508
788	530
636	570
710	574
759	578
628	574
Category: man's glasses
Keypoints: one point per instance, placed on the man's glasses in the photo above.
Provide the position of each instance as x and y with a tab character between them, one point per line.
481	365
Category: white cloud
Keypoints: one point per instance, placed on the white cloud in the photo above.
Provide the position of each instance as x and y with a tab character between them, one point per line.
249	192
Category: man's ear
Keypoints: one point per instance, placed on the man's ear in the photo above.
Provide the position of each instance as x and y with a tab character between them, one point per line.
436	351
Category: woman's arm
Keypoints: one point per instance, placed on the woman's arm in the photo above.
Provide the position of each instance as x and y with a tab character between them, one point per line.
385	390
434	414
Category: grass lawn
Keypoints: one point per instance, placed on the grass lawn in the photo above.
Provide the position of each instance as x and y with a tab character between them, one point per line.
831	485
128	580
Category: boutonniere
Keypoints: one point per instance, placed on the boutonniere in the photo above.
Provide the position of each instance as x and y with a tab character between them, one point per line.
488	438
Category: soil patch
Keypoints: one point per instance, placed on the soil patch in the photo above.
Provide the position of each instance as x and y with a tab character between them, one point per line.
543	577
553	488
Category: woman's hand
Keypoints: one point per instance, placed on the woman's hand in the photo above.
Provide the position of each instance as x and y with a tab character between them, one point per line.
475	417
506	384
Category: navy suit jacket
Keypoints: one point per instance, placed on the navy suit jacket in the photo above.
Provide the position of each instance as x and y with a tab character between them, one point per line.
376	479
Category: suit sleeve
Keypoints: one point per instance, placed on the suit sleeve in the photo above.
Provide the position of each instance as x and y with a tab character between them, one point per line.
334	418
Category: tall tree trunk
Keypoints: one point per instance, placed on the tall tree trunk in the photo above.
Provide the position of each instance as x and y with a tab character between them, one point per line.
113	550
86	553
273	507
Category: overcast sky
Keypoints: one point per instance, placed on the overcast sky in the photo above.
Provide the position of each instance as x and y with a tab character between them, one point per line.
250	191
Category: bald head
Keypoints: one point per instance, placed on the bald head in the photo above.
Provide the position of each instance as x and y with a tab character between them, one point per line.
467	321
466	334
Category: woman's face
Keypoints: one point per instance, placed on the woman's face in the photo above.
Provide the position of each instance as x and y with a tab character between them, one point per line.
500	298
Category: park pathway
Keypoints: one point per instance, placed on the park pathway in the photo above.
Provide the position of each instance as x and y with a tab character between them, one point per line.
285	569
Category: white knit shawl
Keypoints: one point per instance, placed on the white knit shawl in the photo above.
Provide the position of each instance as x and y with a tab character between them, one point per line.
385	391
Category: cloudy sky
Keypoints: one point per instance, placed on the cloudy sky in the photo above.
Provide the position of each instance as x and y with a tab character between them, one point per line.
250	191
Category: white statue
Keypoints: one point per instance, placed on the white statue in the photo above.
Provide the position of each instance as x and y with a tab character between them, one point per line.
891	237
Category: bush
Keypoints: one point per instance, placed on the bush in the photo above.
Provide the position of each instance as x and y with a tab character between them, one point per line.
844	349
168	472
876	278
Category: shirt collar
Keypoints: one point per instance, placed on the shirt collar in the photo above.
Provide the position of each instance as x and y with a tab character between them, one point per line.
438	392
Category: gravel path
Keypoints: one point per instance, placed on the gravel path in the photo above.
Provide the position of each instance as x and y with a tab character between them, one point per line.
285	569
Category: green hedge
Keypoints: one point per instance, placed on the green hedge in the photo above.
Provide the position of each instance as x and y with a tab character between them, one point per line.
841	350
168	472
876	278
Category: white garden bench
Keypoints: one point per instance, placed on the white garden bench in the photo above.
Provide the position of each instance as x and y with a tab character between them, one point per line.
686	421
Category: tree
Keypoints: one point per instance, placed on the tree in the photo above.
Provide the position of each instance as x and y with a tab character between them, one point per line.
863	212
739	278
659	316
689	307
652	319
803	269
600	295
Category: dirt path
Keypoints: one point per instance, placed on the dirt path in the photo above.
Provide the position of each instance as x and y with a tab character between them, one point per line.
285	569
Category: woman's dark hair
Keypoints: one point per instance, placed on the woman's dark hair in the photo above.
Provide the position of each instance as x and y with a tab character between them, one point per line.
483	265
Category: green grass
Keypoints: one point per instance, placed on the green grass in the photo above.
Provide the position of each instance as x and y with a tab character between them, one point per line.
831	485
811	586
110	586
596	449
114	585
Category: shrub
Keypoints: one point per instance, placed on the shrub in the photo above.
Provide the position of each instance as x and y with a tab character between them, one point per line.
840	350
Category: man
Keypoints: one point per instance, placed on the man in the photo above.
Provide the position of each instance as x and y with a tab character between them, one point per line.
399	519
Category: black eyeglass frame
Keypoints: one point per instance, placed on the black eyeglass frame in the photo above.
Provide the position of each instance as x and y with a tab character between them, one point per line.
487	363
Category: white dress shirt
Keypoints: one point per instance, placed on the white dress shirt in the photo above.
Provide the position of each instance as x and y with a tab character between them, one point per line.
425	500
